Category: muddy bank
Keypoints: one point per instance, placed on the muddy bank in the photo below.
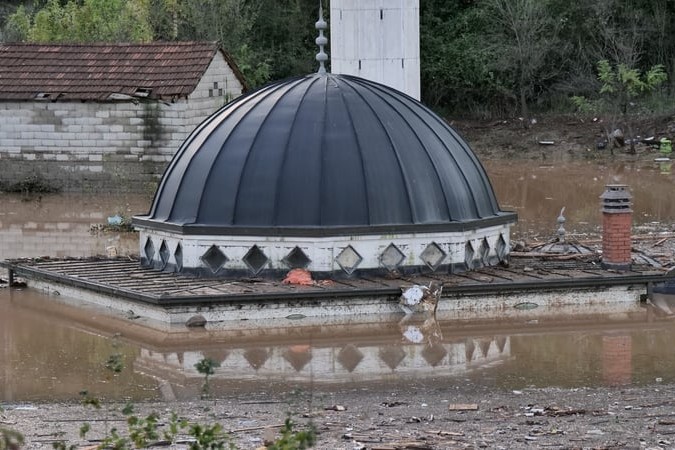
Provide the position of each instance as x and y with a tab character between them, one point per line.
562	138
414	417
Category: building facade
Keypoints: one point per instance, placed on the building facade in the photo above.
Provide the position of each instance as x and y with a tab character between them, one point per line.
105	116
377	40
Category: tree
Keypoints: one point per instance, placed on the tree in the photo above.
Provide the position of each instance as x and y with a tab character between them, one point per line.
525	41
623	86
91	21
17	26
455	60
231	23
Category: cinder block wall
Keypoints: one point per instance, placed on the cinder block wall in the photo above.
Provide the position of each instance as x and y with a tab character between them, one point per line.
108	146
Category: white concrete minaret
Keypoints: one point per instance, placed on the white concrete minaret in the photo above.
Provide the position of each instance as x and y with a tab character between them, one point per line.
377	40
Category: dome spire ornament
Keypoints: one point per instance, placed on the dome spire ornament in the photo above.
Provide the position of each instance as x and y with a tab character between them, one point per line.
321	41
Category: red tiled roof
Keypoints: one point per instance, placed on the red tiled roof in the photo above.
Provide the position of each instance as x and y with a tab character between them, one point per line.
97	71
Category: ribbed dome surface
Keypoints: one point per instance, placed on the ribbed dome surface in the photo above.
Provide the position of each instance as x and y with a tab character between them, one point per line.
323	152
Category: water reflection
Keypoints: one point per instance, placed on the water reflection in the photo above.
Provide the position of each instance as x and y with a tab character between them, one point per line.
53	351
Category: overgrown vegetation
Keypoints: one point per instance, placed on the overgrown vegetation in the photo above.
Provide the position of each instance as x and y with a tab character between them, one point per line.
154	430
622	95
33	184
10	439
479	58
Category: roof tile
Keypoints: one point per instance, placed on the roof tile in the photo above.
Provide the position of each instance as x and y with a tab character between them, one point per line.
95	71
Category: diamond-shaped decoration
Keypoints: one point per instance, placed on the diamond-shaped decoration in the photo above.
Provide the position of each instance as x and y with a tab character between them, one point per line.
217	355
214	258
392	356
296	259
256	357
178	256
350	357
469	349
255	259
469	253
433	256
501	248
391	257
298	356
434	354
501	343
164	253
484	252
348	259
149	250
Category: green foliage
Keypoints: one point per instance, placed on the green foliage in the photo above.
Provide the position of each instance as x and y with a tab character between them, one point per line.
143	431
451	33
294	440
621	87
61	445
87	21
84	429
88	400
115	441
206	367
10	439
175	424
625	84
115	363
583	105
486	58
17	26
209	437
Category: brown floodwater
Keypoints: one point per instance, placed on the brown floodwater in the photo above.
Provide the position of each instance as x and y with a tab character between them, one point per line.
52	351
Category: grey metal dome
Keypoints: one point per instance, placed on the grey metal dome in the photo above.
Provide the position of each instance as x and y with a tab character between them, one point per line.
320	155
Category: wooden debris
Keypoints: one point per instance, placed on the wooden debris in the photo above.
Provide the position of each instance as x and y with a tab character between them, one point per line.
445	433
660	241
263	427
555	412
463	407
554	256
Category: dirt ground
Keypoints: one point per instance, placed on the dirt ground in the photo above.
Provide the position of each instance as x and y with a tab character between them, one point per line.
427	417
575	137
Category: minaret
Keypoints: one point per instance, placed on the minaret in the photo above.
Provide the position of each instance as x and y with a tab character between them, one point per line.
377	40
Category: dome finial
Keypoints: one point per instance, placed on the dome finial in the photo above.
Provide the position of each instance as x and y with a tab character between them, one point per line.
321	41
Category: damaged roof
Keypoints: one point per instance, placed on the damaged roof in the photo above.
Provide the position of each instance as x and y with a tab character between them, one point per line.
104	71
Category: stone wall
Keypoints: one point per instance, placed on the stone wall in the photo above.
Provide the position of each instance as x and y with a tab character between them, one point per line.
121	145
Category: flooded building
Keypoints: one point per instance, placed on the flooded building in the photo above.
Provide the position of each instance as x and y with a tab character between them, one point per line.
105	116
327	172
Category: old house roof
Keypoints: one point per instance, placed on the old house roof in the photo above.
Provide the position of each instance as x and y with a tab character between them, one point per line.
104	71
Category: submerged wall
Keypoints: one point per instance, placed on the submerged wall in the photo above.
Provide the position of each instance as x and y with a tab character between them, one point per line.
121	145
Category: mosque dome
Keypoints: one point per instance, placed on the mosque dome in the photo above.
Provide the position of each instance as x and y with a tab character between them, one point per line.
311	167
323	154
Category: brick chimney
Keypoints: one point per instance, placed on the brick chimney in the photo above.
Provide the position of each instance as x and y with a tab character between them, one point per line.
617	218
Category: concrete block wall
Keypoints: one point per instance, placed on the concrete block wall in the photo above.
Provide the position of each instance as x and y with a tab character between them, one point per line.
109	146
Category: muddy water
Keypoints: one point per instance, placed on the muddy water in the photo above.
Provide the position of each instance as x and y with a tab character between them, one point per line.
537	192
61	225
52	351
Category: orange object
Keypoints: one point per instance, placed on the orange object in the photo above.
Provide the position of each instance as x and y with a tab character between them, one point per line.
299	276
